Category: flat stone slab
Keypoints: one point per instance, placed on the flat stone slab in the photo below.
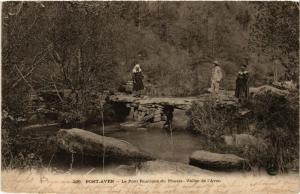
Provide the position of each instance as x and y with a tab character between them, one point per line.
177	102
131	125
162	166
80	141
215	161
181	103
125	170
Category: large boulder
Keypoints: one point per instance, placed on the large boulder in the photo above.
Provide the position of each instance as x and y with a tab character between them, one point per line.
79	141
162	166
266	88
242	140
216	161
285	85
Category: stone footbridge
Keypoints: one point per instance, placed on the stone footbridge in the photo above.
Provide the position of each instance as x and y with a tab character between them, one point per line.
158	111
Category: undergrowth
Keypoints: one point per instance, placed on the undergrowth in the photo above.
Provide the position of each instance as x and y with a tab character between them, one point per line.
276	121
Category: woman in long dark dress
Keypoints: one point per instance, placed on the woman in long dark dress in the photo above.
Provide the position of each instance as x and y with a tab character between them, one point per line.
137	78
242	85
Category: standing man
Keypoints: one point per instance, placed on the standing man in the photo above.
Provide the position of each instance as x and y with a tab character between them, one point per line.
216	77
242	85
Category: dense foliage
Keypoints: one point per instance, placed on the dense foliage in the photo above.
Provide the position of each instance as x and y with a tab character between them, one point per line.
93	45
275	119
278	116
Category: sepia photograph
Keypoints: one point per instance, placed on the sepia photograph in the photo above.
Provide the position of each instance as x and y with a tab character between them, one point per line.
150	96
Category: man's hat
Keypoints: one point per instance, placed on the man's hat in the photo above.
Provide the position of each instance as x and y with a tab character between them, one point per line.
216	62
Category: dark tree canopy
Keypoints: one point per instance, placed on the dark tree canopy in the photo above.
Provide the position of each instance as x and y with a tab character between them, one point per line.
91	46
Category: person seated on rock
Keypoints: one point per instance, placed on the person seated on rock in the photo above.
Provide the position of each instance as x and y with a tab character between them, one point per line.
137	78
242	84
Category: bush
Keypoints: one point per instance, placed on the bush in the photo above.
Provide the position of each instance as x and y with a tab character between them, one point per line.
279	117
18	152
212	121
272	111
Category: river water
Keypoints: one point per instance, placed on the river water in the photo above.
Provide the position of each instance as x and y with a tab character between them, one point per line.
161	144
176	147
